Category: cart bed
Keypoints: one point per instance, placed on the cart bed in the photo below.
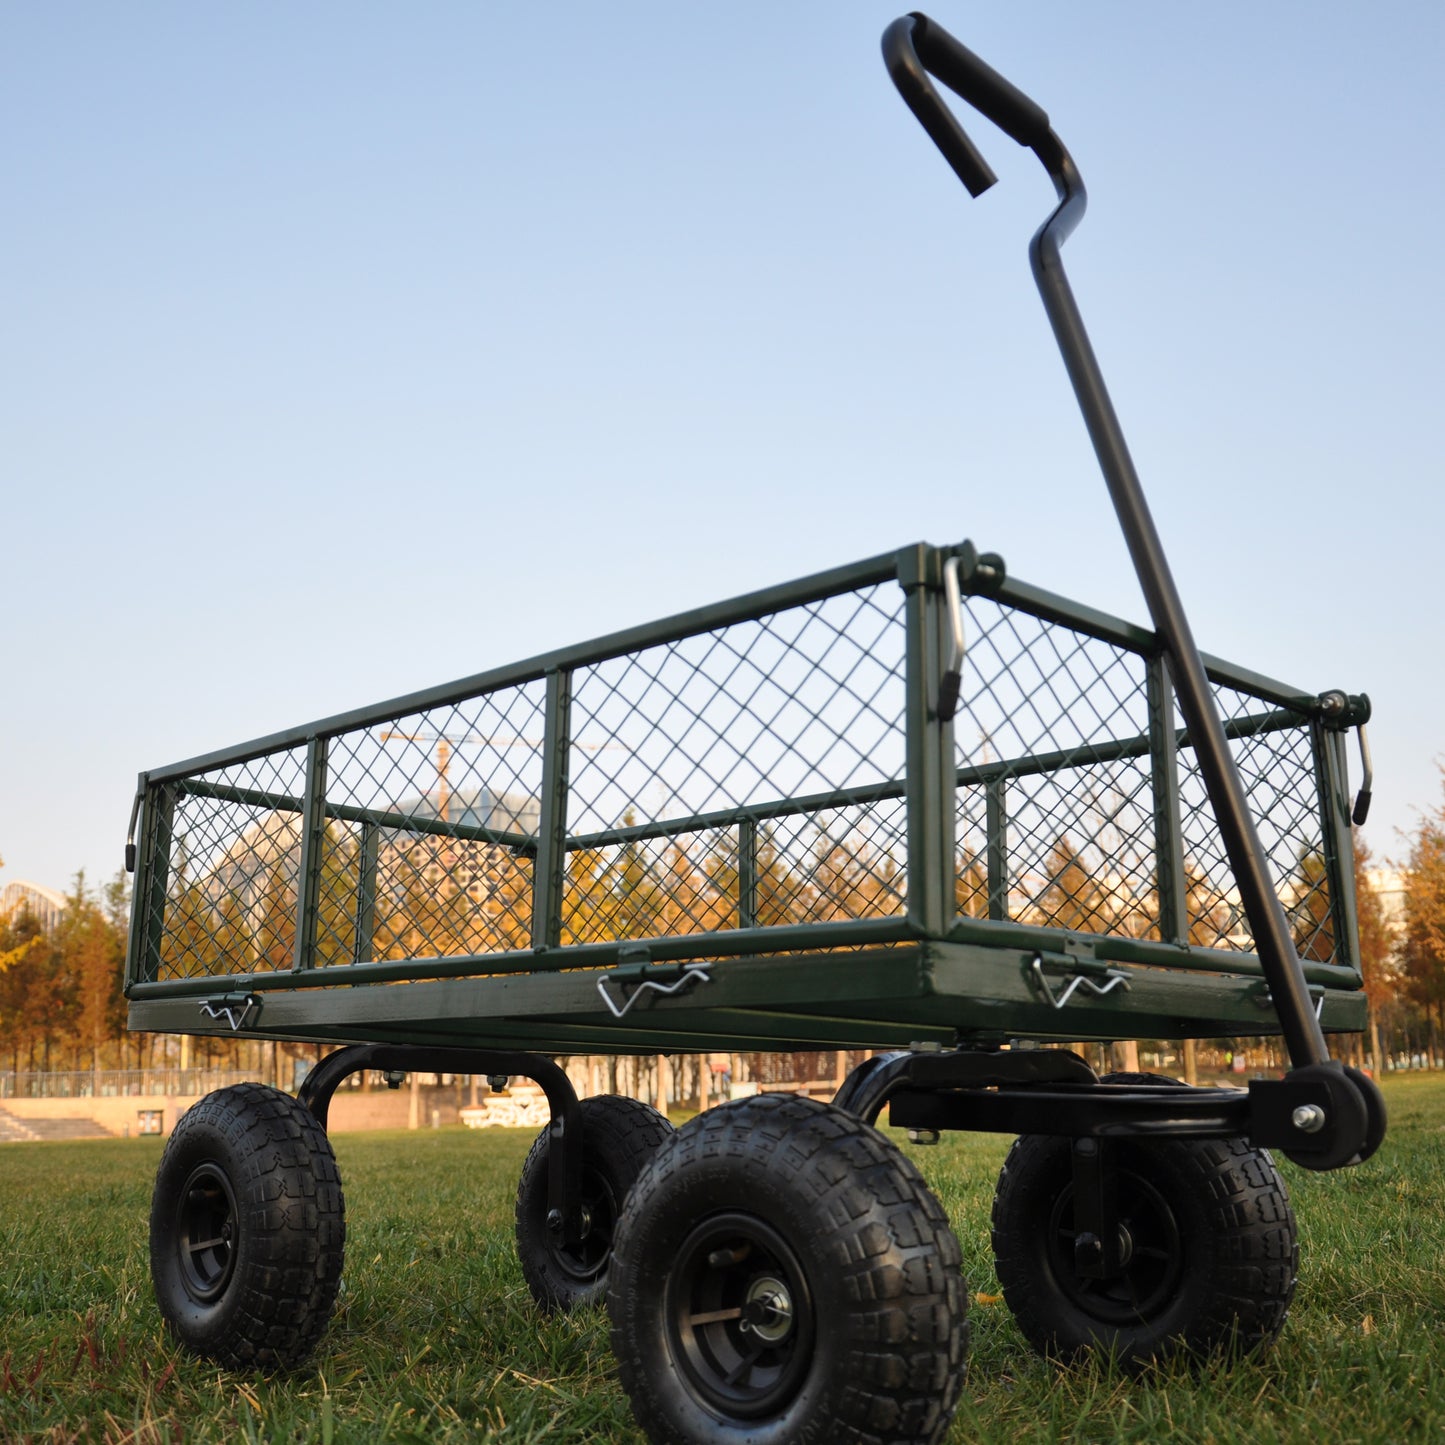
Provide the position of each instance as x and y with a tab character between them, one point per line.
748	827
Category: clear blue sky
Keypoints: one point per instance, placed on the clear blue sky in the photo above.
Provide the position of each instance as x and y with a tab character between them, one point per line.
347	348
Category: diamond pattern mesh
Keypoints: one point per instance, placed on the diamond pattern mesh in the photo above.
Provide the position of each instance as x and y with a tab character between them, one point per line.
830	865
1054	723
1277	766
230	903
805	701
673	742
1039	709
741	777
746	776
431	823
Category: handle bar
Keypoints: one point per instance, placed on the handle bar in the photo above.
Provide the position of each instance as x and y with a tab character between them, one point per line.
914	46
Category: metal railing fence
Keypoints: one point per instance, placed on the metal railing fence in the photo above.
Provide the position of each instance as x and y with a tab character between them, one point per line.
119	1083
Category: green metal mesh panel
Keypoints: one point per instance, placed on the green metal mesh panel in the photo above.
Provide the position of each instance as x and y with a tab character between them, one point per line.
229	905
1278	772
1041	710
1055	723
744	776
424	853
452	875
706	776
750	775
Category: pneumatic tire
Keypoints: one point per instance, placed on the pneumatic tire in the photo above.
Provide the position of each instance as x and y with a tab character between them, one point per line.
783	1273
619	1136
247	1229
1207	1237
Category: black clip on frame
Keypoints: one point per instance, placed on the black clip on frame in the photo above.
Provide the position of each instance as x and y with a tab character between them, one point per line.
913	48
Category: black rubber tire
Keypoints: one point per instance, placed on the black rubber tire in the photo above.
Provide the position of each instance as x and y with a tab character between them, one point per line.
1375	1112
801	1212
619	1136
250	1171
1211	1234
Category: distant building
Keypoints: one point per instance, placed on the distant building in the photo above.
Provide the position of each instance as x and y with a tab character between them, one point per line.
479	808
46	904
251	886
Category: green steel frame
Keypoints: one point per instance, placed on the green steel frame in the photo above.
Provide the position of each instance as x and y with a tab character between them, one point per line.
923	971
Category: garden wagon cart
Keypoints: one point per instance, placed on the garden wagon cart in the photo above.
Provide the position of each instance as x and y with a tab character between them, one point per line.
911	805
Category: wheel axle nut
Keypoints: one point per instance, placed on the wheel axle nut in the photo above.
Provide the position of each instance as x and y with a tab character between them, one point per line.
1308	1118
555	1221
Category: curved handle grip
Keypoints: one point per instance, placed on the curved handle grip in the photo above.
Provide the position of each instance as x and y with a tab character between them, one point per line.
914	47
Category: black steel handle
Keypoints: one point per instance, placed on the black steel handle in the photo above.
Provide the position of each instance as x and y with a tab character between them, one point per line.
915	47
909	45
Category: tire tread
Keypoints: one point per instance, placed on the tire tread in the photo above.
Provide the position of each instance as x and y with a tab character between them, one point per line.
288	1191
899	1261
1250	1267
625	1132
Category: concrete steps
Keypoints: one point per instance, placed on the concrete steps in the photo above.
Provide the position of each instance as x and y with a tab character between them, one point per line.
24	1131
13	1131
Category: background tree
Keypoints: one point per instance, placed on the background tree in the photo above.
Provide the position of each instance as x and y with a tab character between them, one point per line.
970	888
1377	949
1423	951
94	949
855	880
1072	898
61	1000
21	944
783	897
1204	906
1308	908
12	947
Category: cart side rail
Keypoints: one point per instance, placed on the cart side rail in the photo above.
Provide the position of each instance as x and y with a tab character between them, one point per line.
767	775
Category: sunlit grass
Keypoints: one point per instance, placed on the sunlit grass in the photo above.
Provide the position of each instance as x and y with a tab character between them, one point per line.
436	1339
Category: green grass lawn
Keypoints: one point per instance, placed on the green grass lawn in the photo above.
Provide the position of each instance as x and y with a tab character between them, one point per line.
436	1339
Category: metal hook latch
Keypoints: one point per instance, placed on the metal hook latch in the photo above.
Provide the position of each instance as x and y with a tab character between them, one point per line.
130	855
967	567
1112	978
952	682
1367	780
636	974
235	1008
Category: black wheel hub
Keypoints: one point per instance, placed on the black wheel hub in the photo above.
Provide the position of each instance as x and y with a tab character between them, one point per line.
206	1226
586	1259
739	1316
1151	1256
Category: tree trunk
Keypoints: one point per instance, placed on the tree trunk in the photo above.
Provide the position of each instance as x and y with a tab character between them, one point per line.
1125	1056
